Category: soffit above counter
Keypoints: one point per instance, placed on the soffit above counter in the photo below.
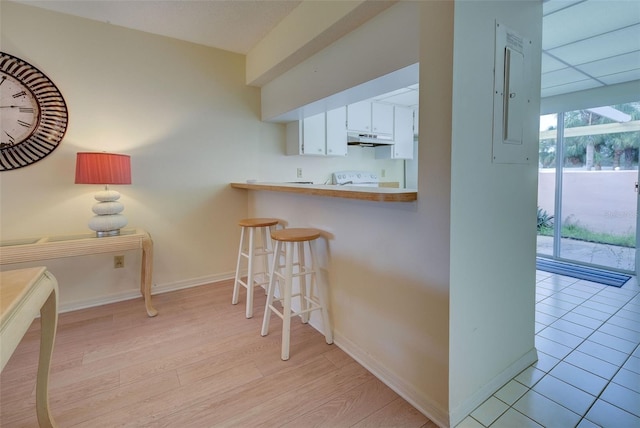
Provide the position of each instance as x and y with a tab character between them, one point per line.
309	28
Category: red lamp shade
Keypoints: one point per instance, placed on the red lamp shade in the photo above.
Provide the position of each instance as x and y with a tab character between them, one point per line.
103	168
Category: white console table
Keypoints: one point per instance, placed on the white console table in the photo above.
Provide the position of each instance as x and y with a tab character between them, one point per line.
55	247
23	294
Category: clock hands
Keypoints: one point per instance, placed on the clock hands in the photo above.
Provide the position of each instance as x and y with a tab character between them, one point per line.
22	108
11	140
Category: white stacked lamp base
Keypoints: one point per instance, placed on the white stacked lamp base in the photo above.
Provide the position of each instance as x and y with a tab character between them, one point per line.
108	221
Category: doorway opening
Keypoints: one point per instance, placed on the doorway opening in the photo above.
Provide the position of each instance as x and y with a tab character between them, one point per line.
587	186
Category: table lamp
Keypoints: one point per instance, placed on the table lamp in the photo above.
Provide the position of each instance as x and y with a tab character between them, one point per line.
105	168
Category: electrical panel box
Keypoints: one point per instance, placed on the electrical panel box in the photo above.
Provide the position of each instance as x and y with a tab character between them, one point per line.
511	92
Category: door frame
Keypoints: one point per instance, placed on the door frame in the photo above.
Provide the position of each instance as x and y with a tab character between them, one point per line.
557	214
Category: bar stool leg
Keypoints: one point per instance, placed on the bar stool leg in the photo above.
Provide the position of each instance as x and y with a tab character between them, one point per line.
236	283
286	303
277	266
302	266
271	289
249	311
267	247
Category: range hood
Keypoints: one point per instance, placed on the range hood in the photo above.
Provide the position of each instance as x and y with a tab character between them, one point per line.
368	140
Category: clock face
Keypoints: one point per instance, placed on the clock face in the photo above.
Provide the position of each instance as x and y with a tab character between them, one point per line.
33	114
20	111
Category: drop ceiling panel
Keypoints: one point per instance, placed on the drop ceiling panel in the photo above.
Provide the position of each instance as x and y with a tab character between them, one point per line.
600	38
570	87
623	77
562	77
616	64
615	43
549	63
588	19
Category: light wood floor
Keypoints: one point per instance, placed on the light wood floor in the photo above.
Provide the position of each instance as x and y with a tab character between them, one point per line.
199	363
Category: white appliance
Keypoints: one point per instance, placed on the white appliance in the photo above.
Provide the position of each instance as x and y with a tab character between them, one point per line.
368	140
355	178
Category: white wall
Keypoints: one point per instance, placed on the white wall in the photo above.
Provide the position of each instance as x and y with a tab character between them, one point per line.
191	125
183	113
493	212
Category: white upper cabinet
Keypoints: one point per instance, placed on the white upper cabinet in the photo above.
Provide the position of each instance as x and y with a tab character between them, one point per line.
337	132
403	129
403	136
359	117
323	134
370	118
382	118
314	135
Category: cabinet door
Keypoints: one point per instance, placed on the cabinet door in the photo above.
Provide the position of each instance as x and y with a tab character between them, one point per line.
294	138
337	132
359	117
403	133
382	118
314	135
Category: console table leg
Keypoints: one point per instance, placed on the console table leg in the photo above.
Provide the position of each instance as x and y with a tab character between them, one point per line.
145	280
49	322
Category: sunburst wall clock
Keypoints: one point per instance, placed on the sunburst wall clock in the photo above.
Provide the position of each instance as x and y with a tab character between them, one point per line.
33	114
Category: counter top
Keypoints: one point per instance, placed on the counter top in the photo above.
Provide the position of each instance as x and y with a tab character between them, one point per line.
378	194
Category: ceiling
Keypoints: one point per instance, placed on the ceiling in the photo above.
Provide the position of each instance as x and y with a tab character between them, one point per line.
231	25
586	43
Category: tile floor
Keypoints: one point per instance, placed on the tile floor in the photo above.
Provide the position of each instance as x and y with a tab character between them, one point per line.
588	369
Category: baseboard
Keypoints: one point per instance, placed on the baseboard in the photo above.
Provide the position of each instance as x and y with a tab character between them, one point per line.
179	285
135	294
469	405
427	407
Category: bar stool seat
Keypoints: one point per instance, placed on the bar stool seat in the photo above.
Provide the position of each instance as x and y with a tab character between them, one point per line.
311	299
250	250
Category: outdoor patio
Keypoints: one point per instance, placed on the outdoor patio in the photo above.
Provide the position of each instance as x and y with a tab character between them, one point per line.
612	256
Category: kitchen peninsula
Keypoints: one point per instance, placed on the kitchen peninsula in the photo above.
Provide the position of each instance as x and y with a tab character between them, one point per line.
365	255
379	194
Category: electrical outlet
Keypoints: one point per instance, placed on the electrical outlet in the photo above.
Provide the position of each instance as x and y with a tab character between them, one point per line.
118	262
383	173
299	173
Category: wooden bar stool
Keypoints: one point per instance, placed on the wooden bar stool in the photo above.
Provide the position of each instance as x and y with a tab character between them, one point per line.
250	251
314	298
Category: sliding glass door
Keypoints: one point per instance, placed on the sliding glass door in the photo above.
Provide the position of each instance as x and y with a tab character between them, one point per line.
587	196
